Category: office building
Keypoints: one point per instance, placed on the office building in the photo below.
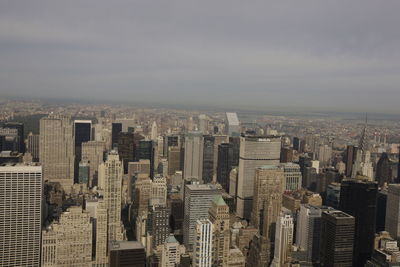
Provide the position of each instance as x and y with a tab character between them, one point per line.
82	133
364	212
21	190
235	141
386	252
68	242
203	123
111	172
218	140
293	177
126	148
225	163
126	254
308	232
170	140
193	156
19	127
384	171
268	189
392	224
283	240
56	150
203	245
333	195
337	238
83	173
351	153
159	191
33	146
174	159
208	158
219	217
154	131
145	150
198	200
236	258
255	151
171	252
232	124
142	193
159	223
116	128
93	155
297	144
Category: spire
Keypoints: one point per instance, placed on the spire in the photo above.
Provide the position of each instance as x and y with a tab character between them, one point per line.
363	144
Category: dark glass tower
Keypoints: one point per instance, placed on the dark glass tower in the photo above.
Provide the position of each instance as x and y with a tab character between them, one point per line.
116	128
337	237
235	141
126	148
351	153
384	170
145	150
359	199
82	133
225	161
208	158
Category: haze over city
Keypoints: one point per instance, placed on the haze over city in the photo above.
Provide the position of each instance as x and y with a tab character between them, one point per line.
315	55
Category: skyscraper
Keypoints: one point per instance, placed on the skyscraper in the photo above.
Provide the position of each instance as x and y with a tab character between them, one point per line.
154	131
383	170
93	155
308	231
33	146
111	172
56	150
225	163
337	237
283	240
145	150
20	132
351	192
116	128
198	199
82	133
159	220
208	158
255	151
293	177
20	215
232	124
68	242
193	158
392	223
126	148
351	153
219	217
203	246
267	203
174	159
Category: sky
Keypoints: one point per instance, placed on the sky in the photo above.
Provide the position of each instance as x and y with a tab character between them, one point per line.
308	54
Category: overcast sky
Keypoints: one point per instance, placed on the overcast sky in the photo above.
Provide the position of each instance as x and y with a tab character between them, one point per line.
338	54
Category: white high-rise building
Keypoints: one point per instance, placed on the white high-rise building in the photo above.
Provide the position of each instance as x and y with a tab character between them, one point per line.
193	159
392	221
20	215
112	171
324	155
68	242
203	246
232	124
255	151
198	200
56	150
283	240
154	131
171	252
